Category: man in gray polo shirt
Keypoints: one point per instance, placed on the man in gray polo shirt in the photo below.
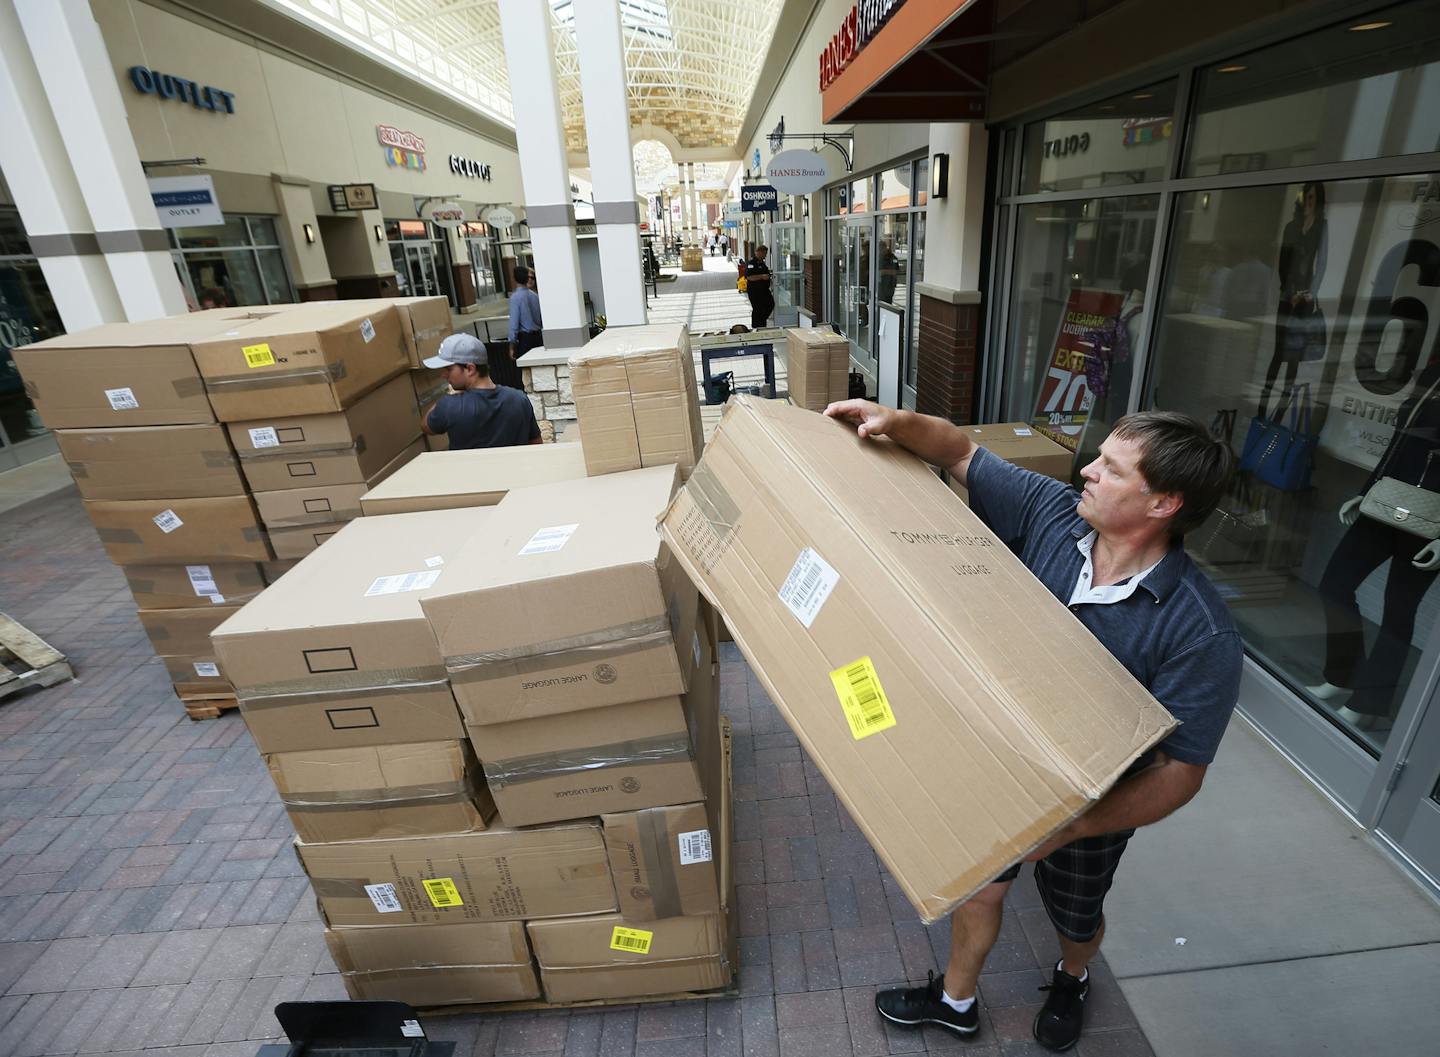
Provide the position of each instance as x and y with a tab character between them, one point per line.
1114	553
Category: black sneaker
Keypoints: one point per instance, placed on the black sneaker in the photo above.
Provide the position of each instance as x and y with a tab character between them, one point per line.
1057	1025
914	1006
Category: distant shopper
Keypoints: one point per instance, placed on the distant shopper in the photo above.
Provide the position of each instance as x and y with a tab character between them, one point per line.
479	413
525	325
757	288
725	245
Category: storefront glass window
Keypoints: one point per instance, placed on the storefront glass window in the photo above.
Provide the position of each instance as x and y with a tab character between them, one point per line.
860	196
418	254
921	183
1303	322
1366	88
895	187
917	275
1076	314
27	314
239	262
1126	139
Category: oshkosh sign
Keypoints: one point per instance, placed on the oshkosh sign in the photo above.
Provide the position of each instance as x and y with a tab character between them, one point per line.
858	27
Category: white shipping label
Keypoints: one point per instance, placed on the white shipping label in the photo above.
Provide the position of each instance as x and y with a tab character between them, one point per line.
695	847
217	600
202	579
411	1029
393	585
549	540
167	521
122	399
208	669
367	331
384	897
435	562
808	586
1021	431
264	437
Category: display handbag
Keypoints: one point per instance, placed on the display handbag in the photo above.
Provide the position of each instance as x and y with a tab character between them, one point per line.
1280	453
1237	530
1408	507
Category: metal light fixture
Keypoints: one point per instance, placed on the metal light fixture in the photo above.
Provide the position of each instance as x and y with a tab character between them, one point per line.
1233	67
1365	27
939	175
379	233
309	233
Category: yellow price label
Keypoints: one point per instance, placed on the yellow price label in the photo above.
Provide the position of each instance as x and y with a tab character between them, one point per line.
633	941
258	355
867	710
443	893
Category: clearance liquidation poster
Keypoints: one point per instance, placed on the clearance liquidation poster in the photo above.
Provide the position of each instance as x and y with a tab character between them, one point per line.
1064	401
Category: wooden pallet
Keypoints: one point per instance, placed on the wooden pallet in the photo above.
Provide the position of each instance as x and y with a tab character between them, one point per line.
27	660
208	707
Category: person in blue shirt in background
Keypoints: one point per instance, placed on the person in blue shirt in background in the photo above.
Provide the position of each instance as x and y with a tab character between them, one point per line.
525	323
478	413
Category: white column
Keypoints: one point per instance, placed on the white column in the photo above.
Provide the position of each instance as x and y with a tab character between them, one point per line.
697	222
540	137
612	165
80	84
51	207
954	224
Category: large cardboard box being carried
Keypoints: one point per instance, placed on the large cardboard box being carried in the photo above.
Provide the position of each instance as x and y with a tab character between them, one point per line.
439	480
1025	446
311	359
565	599
380	791
151	462
166	531
183	586
337	653
817	366
300	519
920	664
497	875
343	447
470	961
425	321
636	399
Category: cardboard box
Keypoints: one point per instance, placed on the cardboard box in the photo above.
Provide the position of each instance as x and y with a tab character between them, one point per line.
468	962
579	959
818	365
425	322
663	861
559	767
920	654
497	875
186	586
476	477
182	632
380	791
1025	446
310	359
151	462
197	675
565	600
337	652
637	400
272	571
429	385
300	519
122	374
166	531
345	447
436	441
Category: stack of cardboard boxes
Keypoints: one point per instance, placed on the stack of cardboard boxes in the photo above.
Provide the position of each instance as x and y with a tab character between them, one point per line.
817	366
476	772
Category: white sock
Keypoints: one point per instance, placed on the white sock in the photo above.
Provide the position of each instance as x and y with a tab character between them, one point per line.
1060	966
959	1005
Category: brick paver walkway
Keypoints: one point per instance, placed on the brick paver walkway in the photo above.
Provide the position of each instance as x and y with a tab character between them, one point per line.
150	903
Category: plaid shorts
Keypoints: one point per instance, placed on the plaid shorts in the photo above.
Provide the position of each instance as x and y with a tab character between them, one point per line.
1073	881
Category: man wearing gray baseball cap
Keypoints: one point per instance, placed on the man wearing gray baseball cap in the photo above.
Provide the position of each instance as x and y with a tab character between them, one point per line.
477	413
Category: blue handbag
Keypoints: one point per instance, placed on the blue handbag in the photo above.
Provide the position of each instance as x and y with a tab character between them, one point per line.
1281	453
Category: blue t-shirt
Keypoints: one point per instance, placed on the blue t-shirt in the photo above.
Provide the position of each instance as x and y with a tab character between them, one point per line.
485	418
1174	634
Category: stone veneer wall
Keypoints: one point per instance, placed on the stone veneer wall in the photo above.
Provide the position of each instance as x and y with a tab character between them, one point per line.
547	382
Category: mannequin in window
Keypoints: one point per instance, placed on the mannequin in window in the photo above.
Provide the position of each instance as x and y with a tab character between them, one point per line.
1304	247
1412	456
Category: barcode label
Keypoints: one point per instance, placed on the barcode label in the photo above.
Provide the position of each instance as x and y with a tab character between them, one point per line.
1022	431
258	355
807	587
549	540
867	710
367	331
385	898
264	437
202	579
411	1029
695	847
122	399
390	585
443	893
435	562
167	521
217	599
207	669
635	941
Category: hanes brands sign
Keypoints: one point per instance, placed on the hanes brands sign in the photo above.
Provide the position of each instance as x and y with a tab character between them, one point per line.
861	24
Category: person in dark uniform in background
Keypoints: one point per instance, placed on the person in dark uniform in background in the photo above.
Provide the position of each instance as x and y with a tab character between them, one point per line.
479	413
757	288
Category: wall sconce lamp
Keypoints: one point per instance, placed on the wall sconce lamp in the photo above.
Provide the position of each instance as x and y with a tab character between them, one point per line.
1205	200
379	233
939	175
309	233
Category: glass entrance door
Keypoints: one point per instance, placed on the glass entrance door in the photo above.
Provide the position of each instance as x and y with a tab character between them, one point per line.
787	264
1411	817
